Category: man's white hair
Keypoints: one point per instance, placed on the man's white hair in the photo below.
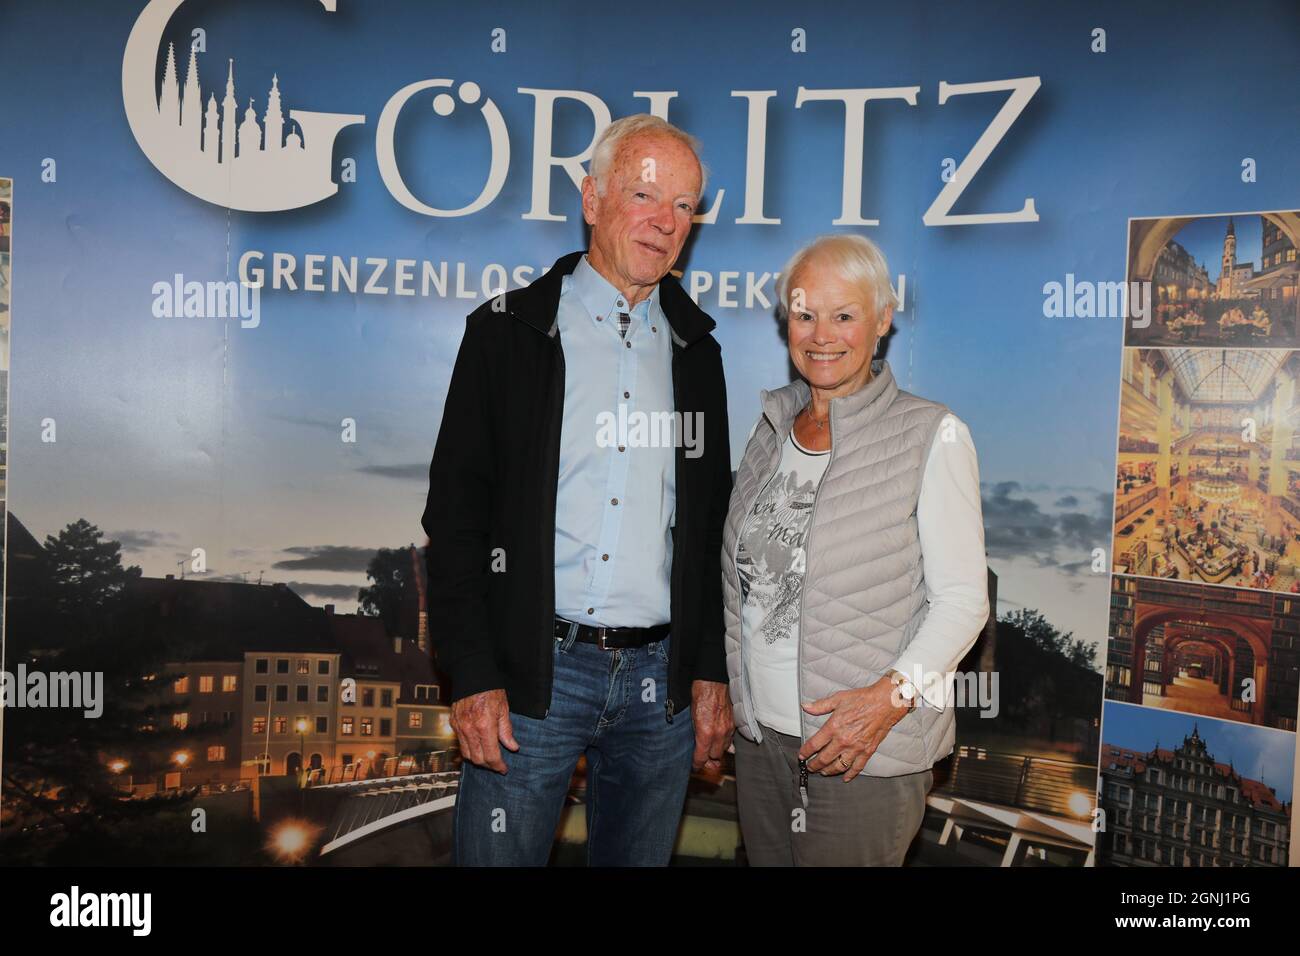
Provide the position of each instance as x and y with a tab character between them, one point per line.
606	148
856	258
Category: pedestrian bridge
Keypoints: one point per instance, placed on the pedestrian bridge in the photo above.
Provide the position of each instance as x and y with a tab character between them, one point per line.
368	800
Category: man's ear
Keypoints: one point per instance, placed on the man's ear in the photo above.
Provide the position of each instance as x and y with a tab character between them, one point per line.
589	199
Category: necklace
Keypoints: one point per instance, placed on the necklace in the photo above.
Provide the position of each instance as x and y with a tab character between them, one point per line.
808	411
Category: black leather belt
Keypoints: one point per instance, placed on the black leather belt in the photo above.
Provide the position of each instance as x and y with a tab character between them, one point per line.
612	638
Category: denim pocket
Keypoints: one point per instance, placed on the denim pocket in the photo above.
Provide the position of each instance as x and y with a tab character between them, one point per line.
661	649
564	644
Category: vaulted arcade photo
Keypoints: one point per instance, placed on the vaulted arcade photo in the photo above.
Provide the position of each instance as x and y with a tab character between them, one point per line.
1219	652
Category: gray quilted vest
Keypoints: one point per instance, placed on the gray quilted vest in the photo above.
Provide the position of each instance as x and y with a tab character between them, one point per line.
864	588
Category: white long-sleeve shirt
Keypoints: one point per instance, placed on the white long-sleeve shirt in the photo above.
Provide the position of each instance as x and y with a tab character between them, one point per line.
950	525
771	562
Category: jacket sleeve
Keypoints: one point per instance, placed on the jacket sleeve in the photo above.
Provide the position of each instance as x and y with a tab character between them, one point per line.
458	520
711	659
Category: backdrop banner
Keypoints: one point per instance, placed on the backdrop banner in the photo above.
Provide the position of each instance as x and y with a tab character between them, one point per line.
239	240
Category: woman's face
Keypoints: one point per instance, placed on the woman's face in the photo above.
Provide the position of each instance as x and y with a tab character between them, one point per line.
833	329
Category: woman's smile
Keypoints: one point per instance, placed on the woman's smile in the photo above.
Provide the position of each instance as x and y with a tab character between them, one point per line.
824	358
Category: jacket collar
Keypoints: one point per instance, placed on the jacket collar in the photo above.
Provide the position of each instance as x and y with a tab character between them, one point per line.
781	405
538	303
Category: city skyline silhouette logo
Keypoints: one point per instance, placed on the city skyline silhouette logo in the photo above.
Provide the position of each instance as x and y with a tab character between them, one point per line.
208	151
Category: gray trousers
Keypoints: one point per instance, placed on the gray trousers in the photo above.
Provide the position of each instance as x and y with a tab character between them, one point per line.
869	821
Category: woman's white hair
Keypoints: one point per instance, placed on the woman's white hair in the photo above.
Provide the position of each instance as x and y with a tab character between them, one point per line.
606	148
856	258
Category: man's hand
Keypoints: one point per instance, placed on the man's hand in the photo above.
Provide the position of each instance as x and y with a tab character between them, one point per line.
860	719
480	721
714	724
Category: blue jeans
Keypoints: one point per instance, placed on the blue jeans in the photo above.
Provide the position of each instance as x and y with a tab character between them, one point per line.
608	705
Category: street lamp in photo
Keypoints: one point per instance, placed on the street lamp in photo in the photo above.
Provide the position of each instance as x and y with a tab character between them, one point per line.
301	727
1080	803
181	759
291	840
117	766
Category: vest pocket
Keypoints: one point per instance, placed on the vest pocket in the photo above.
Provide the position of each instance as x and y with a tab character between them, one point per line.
925	737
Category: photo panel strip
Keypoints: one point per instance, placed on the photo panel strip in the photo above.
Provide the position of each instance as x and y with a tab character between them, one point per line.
6	259
1204	620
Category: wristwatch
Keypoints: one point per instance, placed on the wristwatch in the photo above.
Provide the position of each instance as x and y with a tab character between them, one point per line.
906	689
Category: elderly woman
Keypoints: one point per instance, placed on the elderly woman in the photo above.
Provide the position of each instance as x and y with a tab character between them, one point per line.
854	580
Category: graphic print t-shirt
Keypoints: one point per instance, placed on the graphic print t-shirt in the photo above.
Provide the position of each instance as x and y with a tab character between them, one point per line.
771	565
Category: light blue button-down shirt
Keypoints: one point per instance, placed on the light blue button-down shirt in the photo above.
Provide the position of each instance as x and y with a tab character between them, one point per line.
616	500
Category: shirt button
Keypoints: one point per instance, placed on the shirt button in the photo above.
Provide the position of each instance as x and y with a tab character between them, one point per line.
653	329
627	394
600	318
613	501
621	448
604	557
628	344
591	610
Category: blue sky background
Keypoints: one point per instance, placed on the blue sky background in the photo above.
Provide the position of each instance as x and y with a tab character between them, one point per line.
1256	752
174	434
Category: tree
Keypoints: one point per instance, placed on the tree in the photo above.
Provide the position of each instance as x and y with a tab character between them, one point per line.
391	571
86	580
70	615
1044	635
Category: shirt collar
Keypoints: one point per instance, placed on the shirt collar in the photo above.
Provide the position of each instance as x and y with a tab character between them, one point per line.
600	298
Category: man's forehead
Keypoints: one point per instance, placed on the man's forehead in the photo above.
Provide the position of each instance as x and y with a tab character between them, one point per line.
635	150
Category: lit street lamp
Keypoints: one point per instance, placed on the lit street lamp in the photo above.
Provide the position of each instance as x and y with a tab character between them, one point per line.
291	840
301	727
116	767
182	759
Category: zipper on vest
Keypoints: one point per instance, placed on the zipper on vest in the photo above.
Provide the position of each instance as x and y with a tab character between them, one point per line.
803	586
744	663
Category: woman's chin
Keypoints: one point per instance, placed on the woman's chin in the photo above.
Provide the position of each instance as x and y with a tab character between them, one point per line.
823	380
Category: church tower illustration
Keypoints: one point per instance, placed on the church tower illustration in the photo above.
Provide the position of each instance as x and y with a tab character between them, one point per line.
219	149
228	141
1228	266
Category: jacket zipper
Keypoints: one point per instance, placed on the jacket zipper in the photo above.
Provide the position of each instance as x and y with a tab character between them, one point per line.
744	664
807	551
679	454
548	623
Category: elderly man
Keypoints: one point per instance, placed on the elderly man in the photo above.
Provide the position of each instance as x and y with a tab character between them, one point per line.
574	570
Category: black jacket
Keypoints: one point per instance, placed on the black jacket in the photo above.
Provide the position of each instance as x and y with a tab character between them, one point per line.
492	485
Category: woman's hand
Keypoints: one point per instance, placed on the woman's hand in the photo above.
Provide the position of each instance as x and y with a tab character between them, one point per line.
860	719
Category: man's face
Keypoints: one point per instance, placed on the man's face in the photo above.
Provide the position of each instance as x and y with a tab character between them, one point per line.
639	225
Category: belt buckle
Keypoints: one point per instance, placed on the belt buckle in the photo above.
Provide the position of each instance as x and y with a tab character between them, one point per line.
600	638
